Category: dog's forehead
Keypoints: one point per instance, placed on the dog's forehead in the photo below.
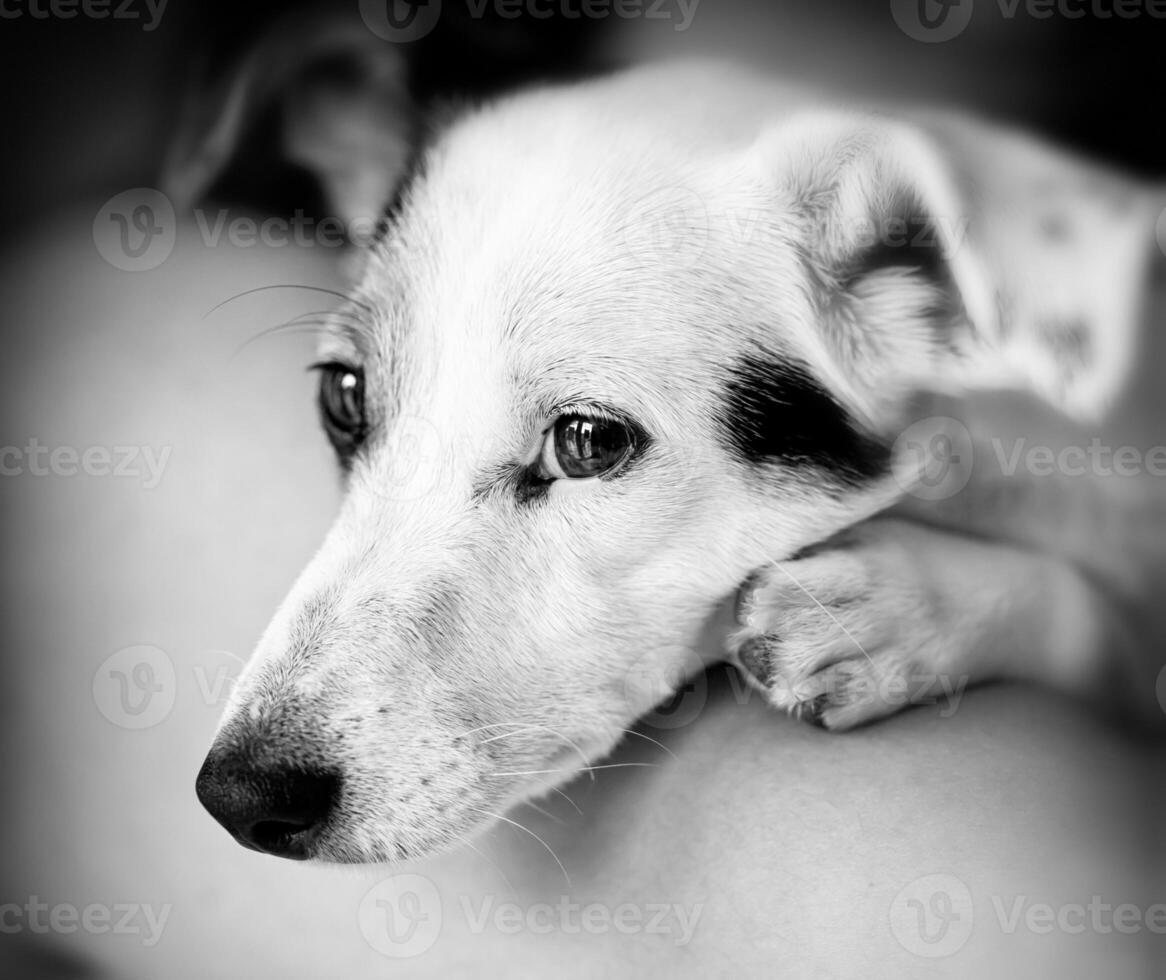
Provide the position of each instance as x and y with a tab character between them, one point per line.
558	238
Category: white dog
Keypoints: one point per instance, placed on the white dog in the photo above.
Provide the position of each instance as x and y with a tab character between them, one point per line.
622	346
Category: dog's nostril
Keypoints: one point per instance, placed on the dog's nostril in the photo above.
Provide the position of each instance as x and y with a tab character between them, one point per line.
276	836
279	810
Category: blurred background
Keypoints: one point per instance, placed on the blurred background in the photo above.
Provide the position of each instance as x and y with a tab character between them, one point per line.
91	103
99	806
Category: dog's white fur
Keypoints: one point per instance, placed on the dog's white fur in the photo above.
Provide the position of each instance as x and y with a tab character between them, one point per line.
453	652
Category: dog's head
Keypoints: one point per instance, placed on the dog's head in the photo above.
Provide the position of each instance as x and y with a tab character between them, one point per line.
619	344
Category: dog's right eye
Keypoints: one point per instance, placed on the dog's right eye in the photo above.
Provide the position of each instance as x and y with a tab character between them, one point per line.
577	447
341	400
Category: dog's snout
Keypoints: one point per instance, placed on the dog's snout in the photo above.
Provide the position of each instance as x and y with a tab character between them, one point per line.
276	809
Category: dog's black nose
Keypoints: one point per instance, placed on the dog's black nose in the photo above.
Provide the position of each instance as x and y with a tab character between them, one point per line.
275	809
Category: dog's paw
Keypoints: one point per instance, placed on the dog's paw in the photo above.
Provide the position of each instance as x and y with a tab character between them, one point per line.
847	632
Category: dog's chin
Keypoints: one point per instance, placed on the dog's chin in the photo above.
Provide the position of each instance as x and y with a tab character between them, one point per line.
473	815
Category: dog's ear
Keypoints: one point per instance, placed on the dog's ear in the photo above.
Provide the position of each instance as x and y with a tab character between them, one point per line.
946	254
319	95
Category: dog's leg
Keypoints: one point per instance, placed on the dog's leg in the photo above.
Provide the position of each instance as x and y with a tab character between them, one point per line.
892	613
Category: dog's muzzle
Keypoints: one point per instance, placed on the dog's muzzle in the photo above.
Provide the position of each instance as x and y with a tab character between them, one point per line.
274	808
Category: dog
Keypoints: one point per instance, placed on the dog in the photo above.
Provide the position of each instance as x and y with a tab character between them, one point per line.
627	366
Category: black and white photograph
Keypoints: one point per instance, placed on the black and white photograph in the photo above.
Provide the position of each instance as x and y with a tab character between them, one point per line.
583	489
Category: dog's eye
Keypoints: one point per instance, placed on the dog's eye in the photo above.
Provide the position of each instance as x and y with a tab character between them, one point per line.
341	402
578	446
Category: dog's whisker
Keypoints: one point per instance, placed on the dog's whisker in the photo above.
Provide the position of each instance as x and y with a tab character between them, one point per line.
592	769
297	326
520	727
339	314
490	861
544	811
545	728
648	738
316	319
578	810
814	599
360	304
515	823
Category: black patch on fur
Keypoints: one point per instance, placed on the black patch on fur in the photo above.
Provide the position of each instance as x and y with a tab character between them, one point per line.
776	413
903	242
